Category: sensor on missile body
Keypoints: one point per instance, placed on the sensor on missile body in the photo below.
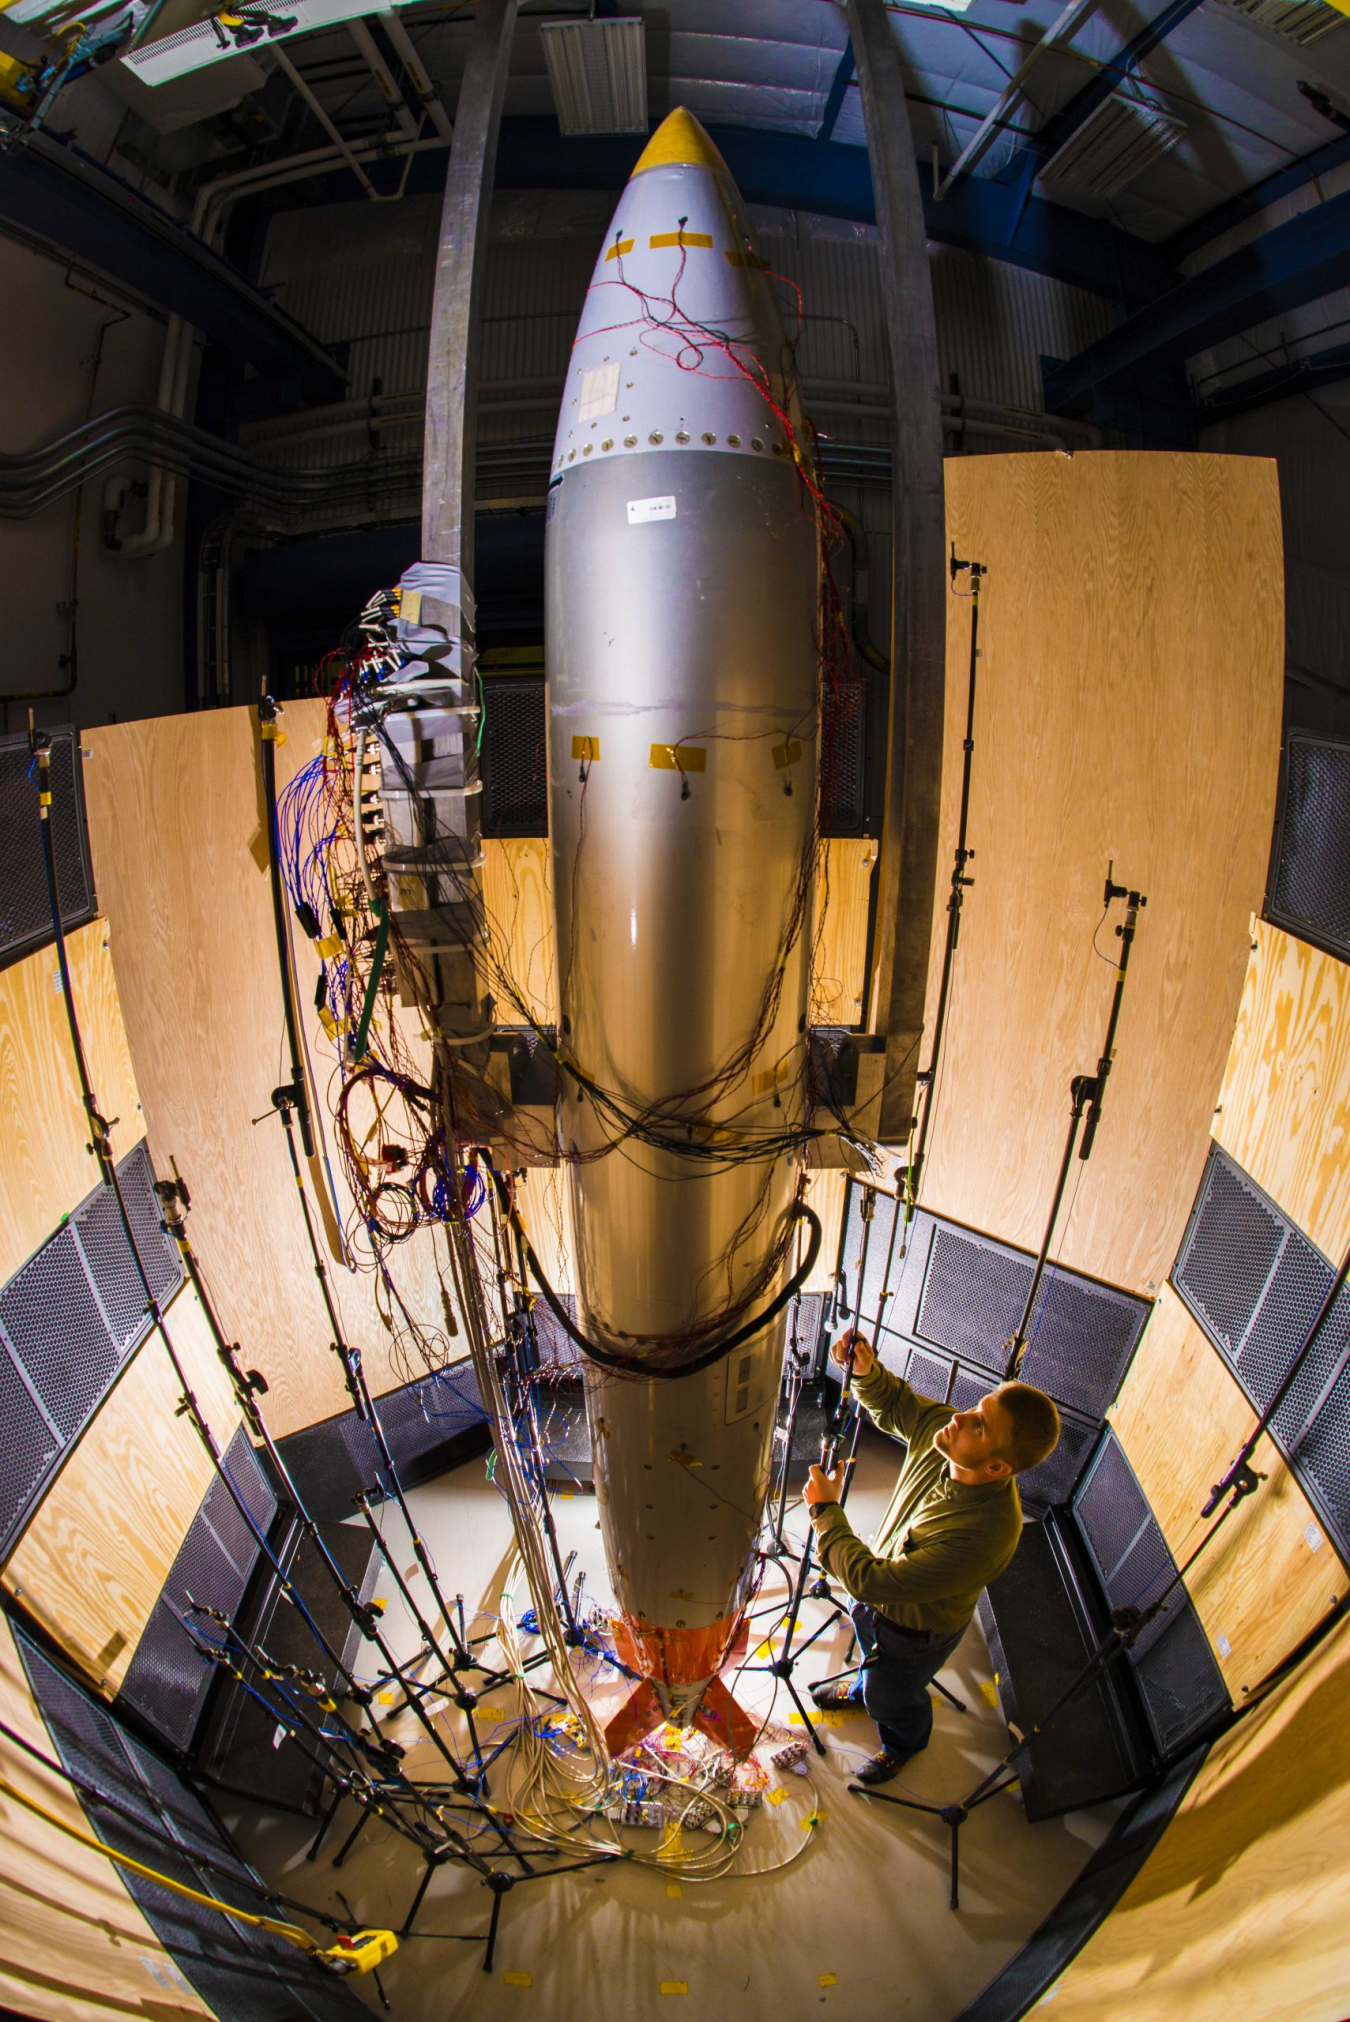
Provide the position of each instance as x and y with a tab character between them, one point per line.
682	627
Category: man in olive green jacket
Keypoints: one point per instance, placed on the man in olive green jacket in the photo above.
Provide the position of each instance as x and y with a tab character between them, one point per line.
951	1527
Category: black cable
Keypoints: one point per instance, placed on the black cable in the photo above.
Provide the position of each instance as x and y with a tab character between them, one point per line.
267	744
179	1848
632	1365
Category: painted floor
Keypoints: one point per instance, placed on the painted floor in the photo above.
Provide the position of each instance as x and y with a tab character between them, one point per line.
855	1924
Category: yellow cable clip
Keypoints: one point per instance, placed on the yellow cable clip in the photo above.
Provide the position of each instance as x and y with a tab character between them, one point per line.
362	1952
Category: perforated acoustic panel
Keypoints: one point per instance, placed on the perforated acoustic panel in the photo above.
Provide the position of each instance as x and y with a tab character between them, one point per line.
241	1974
1255	1283
168	1677
1181	1685
962	1385
25	909
69	1318
843	758
958	1296
1310	868
514	755
430	1425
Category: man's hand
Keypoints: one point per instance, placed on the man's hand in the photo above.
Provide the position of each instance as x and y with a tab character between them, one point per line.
863	1353
823	1486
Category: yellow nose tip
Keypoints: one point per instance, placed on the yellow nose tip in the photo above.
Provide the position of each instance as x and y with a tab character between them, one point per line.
680	142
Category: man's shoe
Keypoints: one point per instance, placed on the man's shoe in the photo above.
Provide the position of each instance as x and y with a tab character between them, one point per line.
841	1694
881	1767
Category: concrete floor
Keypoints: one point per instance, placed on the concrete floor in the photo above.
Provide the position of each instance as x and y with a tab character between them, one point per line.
857	1924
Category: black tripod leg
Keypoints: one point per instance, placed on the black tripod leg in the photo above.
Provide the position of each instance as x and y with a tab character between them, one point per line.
340	1856
495	1919
312	1851
954	1827
796	1699
950	1697
428	1871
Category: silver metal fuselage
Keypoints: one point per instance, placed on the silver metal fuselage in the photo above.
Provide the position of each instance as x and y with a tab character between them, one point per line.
682	670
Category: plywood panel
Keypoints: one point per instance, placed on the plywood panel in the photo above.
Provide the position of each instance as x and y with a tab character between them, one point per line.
177	835
92	1561
518	898
47	1169
1284	1108
74	1947
1241	1909
839	956
1129	712
825	1193
1263	1583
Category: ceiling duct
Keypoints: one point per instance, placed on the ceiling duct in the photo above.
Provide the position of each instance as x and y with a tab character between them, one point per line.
1112	149
598	72
1301	21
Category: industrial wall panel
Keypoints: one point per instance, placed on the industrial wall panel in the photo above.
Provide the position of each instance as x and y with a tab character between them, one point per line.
1310	866
69	1318
1255	1283
25	909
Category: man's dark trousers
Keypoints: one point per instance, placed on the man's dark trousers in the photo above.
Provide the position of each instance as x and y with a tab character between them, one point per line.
892	1682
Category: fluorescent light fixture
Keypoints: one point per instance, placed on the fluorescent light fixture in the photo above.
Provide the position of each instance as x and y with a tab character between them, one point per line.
598	73
1114	146
1300	21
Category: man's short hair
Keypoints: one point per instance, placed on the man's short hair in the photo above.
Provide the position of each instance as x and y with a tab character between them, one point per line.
1033	1425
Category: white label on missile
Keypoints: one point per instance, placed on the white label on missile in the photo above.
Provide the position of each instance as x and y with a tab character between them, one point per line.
599	392
640	510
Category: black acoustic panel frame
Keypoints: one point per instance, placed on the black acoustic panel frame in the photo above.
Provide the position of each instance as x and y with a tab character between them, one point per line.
69	1320
1183	1689
435	1423
242	1975
1041	1621
25	909
1254	1283
1309	891
168	1678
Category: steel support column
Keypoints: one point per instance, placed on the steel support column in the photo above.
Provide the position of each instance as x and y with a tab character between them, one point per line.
907	863
456	308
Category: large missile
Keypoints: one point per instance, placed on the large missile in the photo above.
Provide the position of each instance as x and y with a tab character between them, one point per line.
682	650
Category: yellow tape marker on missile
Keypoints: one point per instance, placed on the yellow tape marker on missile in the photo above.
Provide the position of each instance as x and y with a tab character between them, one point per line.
660	239
679	758
619	248
787	754
587	749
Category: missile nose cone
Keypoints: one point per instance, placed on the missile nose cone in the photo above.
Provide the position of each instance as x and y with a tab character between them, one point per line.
679	142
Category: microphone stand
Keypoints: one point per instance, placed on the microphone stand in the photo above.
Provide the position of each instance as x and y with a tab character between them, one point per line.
1085	1095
